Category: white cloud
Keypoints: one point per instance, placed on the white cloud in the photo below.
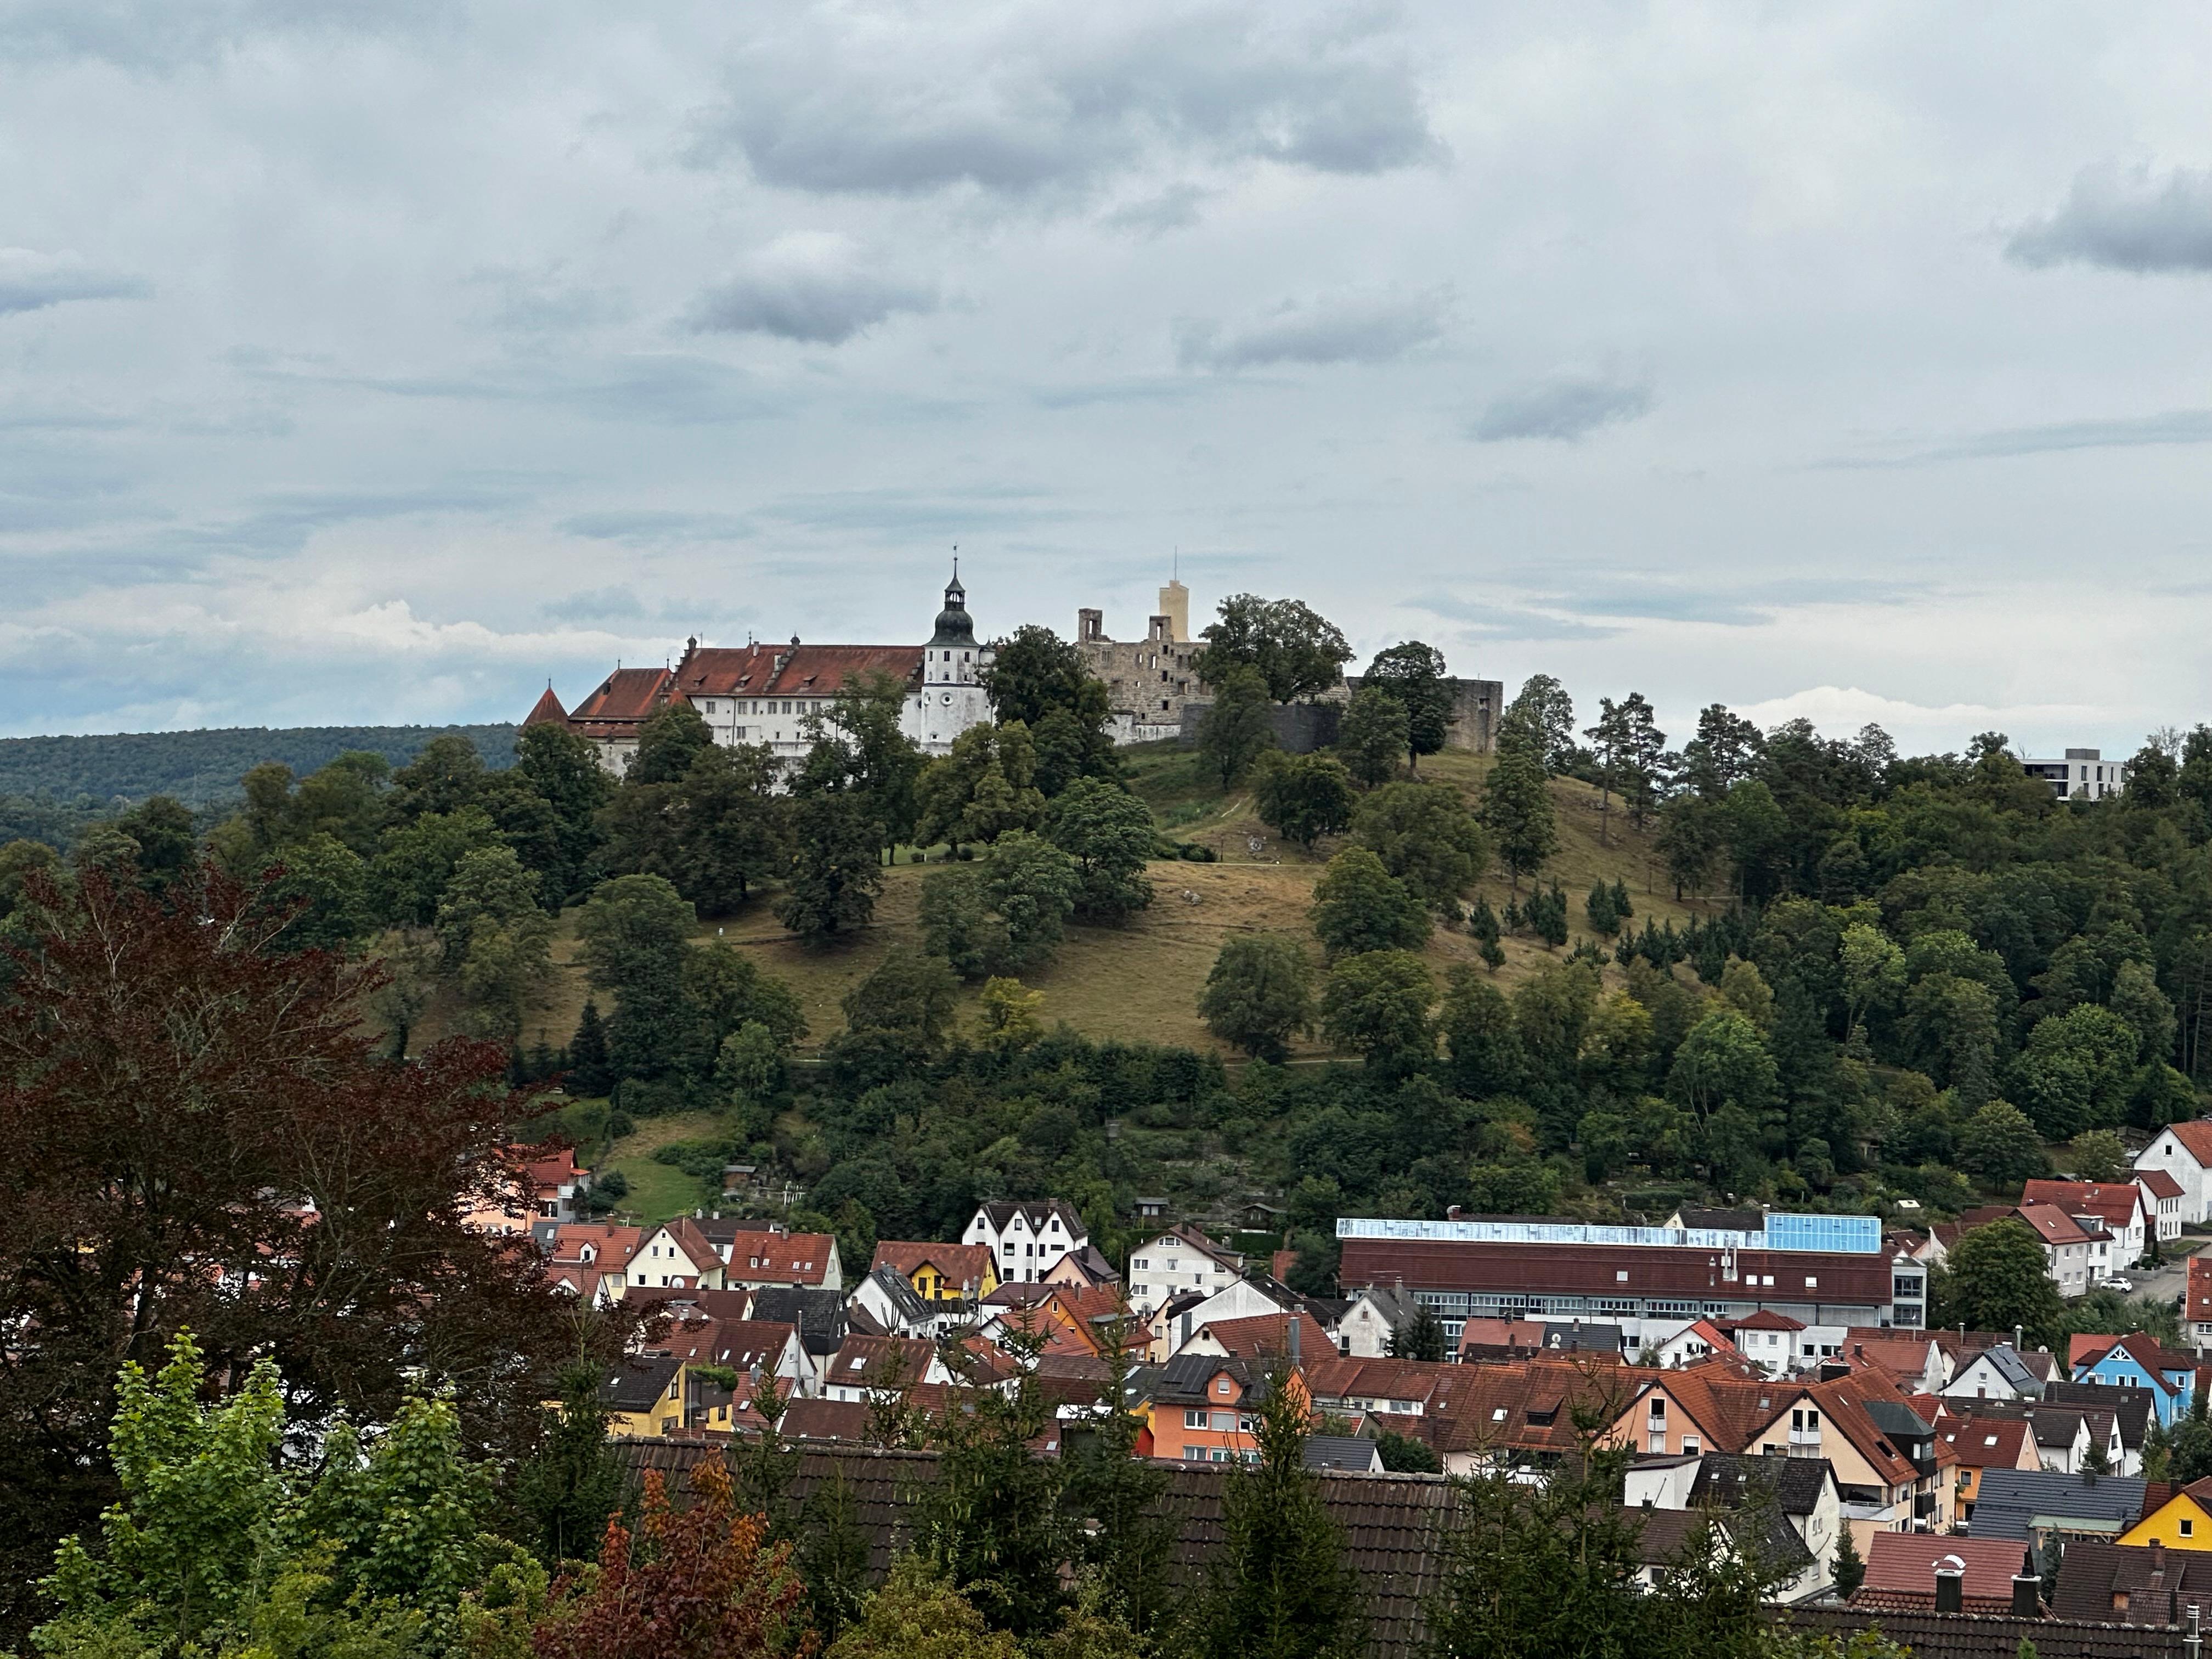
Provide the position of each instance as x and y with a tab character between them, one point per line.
1563	409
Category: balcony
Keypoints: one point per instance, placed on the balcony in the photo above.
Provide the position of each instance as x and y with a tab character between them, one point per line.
1805	1442
1923	1506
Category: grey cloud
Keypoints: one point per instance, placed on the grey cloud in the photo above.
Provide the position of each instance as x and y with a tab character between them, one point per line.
657	388
32	281
1027	105
1173	209
604	605
916	512
158	35
544	302
819	289
648	525
1339	329
2178	426
2125	221
1563	409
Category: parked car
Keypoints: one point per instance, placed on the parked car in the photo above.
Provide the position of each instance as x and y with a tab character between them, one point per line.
2120	1282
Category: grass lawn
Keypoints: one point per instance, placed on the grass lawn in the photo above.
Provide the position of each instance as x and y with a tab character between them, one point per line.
658	1191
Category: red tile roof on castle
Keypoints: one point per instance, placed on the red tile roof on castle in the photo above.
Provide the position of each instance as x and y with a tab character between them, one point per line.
790	671
620	705
547	711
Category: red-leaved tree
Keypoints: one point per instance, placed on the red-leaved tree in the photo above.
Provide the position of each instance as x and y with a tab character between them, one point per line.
694	1583
197	1132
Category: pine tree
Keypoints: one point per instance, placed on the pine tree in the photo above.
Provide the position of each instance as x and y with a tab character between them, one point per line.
568	1489
1282	1587
1599	908
1621	906
589	1070
1849	1569
1516	806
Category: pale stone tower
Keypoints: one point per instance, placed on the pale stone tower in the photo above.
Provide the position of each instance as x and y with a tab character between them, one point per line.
1175	605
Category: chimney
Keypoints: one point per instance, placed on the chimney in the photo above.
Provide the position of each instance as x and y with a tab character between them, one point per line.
2157	1555
1950	1585
2019	1338
2026	1590
1294	1341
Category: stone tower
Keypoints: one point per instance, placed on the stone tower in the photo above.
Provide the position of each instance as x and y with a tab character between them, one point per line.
1175	605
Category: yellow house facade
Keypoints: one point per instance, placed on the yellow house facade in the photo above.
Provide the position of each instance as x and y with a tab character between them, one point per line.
940	1273
2183	1521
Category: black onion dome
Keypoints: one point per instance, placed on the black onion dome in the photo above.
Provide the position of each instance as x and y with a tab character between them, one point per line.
954	625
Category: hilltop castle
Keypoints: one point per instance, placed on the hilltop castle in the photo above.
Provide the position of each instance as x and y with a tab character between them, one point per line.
761	694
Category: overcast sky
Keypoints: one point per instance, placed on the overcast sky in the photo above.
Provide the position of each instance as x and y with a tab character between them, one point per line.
378	362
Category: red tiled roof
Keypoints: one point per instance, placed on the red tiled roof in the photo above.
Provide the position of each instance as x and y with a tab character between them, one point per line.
784	1258
2158	1183
2200	1287
884	1361
2055	1225
1765	1320
770	669
622	703
614	1245
547	711
827	1420
1526	1333
2114	1200
1986	1442
2195	1138
1900	1570
958	1264
1265	1336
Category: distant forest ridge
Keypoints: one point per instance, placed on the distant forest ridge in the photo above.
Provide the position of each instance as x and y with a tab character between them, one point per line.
47	784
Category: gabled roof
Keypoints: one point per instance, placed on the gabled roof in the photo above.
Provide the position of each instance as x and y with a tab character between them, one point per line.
2154	1585
1765	1320
547	710
1266	1336
1342	1451
2130	1408
2160	1185
1664	1534
1986	1442
2138	1347
1188	1380
622	703
885	1362
639	1384
894	1287
2057	1226
958	1264
826	1420
819	1314
2195	1138
1001	1212
2006	1361
2116	1201
1191	1238
1900	1570
2006	1500
2200	1287
1797	1482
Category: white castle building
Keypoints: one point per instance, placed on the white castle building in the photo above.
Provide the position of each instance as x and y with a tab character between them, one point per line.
762	693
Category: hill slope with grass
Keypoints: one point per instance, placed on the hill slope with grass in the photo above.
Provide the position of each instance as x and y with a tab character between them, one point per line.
1140	983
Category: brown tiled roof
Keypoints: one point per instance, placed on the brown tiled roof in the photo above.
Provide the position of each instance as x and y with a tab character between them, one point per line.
1986	1442
770	669
1975	1635
2159	1184
959	1264
827	1420
1265	1336
2155	1585
1857	1280
547	711
620	705
1393	1525
882	1361
2115	1201
786	1258
2200	1286
2196	1138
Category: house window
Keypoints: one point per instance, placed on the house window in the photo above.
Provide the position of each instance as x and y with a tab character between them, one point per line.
1620	1275
1193	1419
1689	1445
2188	1527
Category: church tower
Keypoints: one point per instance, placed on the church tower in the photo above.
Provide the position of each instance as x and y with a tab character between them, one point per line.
951	697
950	658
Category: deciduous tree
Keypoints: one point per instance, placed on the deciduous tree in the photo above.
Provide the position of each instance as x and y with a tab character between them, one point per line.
1360	906
1236	731
1372	737
1415	675
1259	995
1295	651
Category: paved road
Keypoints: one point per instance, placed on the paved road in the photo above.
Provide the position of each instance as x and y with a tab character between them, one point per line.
2165	1283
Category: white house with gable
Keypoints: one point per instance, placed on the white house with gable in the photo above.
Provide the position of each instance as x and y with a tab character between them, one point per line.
1183	1259
1026	1239
2184	1150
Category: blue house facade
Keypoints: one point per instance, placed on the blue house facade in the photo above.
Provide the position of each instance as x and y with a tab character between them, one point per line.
2136	1362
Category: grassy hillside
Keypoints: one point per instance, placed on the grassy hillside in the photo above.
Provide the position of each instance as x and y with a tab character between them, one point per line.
1141	982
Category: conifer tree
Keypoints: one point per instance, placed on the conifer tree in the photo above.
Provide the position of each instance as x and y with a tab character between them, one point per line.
589	1069
1282	1588
1517	807
570	1487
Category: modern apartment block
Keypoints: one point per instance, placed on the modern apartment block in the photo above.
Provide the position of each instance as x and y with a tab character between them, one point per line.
2084	773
